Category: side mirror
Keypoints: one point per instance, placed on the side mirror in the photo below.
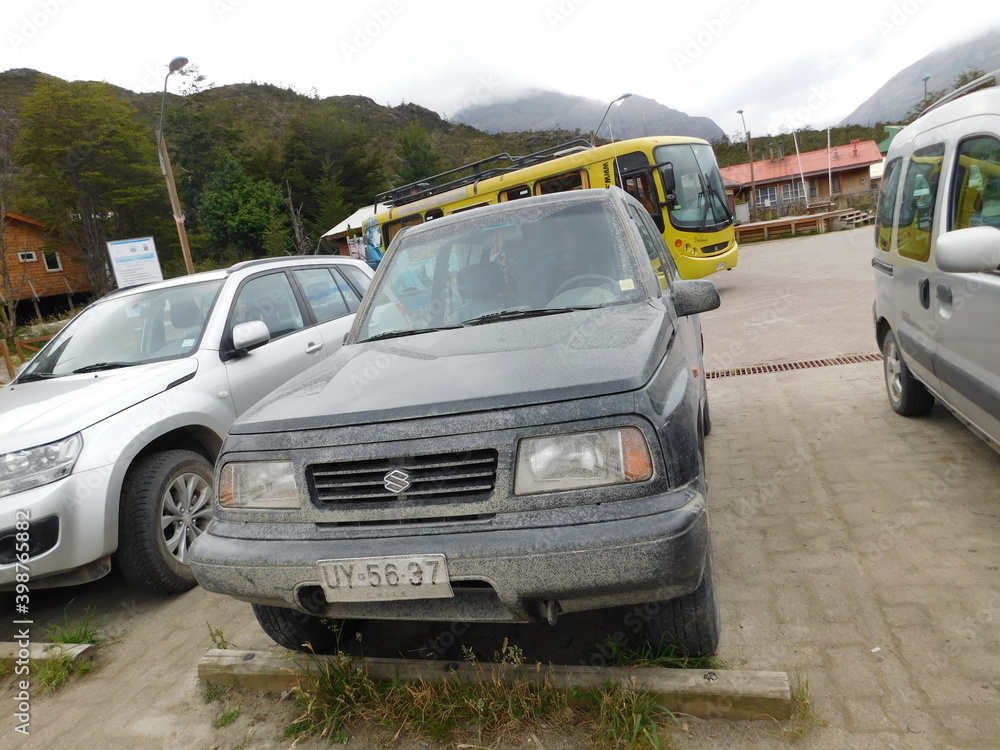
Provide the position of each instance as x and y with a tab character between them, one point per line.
250	335
669	182
693	297
968	250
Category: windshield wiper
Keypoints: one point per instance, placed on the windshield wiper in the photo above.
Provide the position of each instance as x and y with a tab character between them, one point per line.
32	377
512	314
99	366
407	332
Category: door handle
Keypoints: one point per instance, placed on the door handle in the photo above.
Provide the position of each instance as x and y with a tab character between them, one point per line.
944	293
924	290
313	347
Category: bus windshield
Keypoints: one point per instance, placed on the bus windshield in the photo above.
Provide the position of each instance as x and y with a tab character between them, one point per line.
699	198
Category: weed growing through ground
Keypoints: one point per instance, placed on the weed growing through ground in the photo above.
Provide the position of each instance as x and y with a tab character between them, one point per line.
625	718
52	674
218	637
85	631
670	657
802	710
214	692
226	718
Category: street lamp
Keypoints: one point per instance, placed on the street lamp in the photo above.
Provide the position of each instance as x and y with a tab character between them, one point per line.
621	98
175	204
925	79
753	182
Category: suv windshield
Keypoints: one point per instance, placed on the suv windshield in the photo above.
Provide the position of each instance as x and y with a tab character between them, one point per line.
127	330
544	259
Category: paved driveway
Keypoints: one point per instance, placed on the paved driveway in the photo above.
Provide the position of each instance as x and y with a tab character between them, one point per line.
856	549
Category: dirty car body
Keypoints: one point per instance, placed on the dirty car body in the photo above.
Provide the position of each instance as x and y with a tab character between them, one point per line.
513	429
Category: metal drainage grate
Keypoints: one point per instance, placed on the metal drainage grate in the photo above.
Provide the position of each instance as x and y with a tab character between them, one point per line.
851	359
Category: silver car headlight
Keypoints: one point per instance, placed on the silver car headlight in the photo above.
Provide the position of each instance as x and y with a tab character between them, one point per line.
258	484
32	467
554	463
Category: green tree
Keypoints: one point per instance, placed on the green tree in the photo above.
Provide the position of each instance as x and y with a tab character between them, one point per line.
420	159
8	305
240	212
89	170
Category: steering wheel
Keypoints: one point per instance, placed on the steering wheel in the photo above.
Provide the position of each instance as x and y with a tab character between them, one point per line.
572	282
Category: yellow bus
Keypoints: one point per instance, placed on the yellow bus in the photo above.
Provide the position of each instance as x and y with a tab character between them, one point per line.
676	178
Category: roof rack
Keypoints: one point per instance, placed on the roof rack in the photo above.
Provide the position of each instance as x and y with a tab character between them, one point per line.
984	81
503	162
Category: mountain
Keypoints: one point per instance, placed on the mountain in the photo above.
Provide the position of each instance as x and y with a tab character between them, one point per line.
544	110
906	89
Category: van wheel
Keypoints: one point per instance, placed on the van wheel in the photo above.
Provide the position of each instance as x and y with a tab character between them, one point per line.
298	631
907	395
166	504
688	625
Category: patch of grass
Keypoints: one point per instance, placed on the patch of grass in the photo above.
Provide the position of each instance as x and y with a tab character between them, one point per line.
214	692
84	631
670	657
802	710
218	637
52	674
226	718
341	696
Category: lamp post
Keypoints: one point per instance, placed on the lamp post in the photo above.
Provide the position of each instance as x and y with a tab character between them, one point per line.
753	182
175	204
925	79
621	98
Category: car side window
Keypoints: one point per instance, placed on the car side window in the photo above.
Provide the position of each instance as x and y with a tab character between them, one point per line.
887	205
916	212
358	278
269	298
976	184
659	257
323	293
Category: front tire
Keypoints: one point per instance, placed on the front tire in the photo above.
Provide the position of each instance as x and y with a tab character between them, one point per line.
688	625
907	395
166	504
298	631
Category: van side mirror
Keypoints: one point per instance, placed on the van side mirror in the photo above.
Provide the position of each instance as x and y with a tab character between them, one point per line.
968	250
694	296
669	182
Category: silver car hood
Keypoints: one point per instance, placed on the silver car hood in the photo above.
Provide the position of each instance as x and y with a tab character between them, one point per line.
41	411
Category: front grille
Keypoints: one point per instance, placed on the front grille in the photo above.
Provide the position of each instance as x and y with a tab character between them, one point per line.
714	249
434	477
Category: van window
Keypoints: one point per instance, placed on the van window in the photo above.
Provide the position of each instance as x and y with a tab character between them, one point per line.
887	204
916	212
562	183
976	186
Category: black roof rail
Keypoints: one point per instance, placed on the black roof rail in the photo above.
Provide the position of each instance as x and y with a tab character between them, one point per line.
504	162
979	83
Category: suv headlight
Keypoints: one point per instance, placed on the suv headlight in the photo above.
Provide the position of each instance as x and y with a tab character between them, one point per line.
554	463
33	467
258	484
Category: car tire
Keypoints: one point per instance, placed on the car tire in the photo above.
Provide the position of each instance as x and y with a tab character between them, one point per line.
907	395
298	631
166	503
688	625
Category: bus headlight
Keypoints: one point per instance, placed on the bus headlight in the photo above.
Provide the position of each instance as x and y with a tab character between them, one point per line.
555	463
267	485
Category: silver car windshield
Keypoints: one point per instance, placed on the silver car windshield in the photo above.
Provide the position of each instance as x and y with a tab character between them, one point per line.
540	259
128	330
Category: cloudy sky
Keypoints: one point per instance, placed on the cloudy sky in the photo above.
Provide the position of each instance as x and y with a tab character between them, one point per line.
781	62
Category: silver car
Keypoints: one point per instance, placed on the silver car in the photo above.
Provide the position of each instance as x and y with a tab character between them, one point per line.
109	436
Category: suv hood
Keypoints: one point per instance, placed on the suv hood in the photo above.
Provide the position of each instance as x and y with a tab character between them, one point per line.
498	365
42	411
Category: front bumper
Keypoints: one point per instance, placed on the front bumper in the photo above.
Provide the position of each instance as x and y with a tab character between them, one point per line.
498	575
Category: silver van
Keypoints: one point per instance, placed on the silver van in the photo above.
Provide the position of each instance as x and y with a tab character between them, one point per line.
937	261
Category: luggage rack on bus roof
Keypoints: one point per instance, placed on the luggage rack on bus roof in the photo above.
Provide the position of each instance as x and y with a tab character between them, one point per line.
480	171
983	82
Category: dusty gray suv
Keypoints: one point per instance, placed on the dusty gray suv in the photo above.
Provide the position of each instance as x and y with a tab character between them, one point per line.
108	436
514	429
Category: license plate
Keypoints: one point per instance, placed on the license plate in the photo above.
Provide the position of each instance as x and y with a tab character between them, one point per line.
720	265
366	579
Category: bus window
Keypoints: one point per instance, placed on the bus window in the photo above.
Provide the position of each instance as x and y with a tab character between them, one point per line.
562	183
434	213
521	191
391	229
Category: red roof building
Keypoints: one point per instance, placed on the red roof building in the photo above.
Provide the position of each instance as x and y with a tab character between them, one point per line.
830	176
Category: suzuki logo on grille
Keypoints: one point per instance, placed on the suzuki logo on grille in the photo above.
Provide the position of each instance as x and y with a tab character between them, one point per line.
397	481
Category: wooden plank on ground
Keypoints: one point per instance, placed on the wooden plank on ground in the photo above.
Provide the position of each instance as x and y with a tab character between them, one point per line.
12	652
709	694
